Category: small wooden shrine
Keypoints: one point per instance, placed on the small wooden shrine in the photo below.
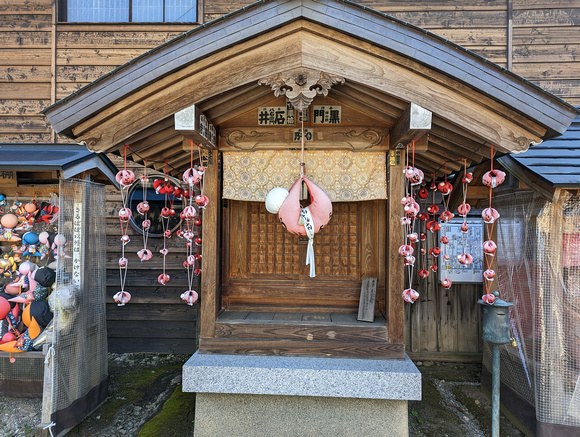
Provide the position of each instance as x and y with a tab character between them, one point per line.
366	85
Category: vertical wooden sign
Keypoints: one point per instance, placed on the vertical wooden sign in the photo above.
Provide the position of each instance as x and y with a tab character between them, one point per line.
366	305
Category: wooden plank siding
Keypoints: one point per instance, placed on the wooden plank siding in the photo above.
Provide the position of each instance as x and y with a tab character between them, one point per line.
545	47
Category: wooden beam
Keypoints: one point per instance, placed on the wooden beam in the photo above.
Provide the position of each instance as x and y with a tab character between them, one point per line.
355	138
395	269
476	154
414	123
158	148
210	295
151	131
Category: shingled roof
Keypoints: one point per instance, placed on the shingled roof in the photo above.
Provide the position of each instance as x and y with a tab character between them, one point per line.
557	161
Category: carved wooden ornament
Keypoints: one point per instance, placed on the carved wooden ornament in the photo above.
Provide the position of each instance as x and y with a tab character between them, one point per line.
301	86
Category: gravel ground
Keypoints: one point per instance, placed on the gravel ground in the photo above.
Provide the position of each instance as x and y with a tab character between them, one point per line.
452	404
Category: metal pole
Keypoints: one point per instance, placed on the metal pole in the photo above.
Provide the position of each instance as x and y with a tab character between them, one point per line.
495	391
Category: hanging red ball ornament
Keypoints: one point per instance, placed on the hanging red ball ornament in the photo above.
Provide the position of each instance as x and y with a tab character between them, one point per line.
435	251
197	241
444	239
464	259
146	224
163	278
189	213
197	272
433	226
467	178
165	212
167	233
463	209
201	200
432	209
489	215
464	227
122	297
489	247
489	274
406	250
433	267
125	239
488	298
189	297
445	188
123	262
197	222
445	216
423	193
446	283
423	273
125	214
125	178
142	207
493	178
410	295
145	254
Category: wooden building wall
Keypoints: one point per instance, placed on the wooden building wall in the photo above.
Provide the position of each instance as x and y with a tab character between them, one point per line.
42	60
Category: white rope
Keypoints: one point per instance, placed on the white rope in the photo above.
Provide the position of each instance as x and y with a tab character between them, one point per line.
49	427
309	227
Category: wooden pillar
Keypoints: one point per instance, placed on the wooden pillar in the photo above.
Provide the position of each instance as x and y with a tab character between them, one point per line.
395	271
209	296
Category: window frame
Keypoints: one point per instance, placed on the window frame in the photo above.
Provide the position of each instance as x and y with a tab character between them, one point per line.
62	14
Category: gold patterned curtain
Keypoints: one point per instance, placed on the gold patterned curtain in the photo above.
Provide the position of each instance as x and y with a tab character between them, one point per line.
345	176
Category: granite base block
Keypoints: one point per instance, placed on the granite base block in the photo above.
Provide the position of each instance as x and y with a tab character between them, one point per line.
230	415
302	376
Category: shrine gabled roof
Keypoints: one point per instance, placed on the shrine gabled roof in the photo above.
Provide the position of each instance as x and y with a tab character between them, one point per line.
557	161
379	56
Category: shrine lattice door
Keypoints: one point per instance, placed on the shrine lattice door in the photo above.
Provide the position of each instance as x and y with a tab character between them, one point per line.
264	265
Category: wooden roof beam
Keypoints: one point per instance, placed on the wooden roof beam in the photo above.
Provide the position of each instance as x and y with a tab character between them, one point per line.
150	131
160	147
154	139
473	155
414	123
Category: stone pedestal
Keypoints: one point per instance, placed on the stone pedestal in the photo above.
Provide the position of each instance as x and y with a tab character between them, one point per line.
240	395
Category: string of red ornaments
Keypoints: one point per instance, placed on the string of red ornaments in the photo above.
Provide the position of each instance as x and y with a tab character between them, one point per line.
125	179
190	216
430	221
492	179
192	219
413	179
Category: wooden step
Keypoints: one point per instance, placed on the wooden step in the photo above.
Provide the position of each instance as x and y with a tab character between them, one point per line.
300	326
312	348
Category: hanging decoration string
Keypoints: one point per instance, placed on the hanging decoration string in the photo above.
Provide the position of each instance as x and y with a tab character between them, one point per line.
125	179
